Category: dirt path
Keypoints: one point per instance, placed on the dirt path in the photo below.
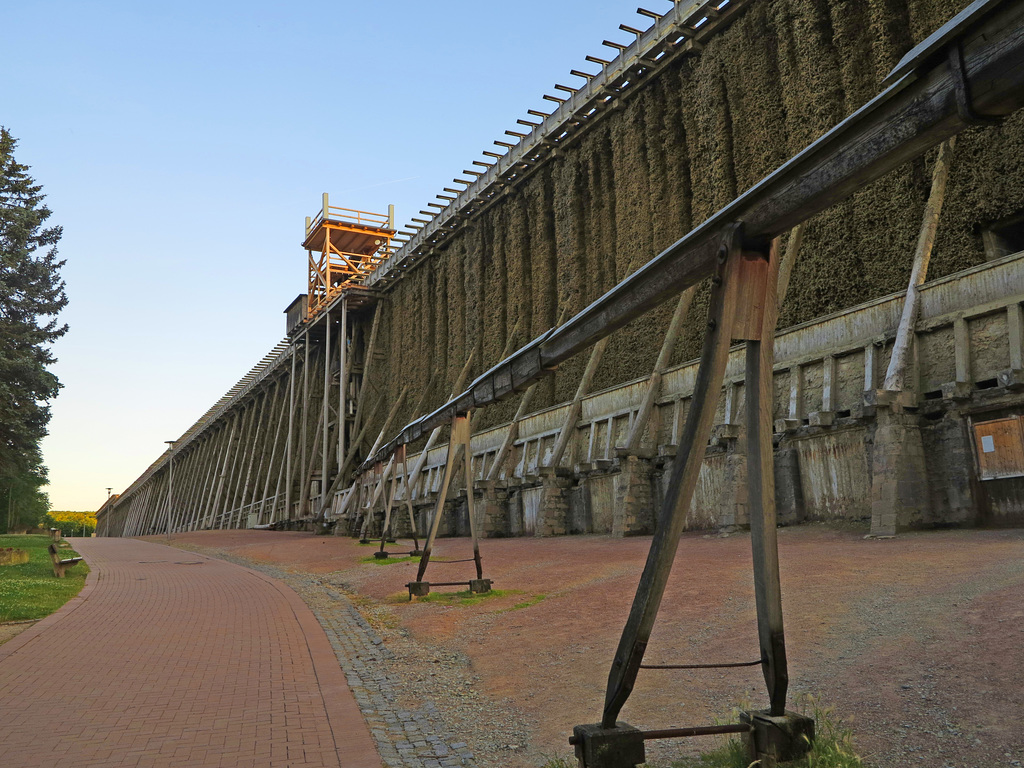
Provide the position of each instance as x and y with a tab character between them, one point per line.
917	642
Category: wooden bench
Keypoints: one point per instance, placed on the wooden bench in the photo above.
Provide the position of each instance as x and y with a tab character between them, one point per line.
59	565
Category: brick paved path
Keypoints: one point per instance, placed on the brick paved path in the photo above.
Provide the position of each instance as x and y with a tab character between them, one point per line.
169	658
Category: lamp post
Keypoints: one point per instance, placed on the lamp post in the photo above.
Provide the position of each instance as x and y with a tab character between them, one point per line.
170	487
105	514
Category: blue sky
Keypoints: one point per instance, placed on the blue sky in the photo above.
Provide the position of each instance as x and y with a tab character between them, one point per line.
182	144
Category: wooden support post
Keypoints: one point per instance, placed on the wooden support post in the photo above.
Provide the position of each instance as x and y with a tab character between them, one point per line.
197	474
214	444
202	487
458	441
761	494
408	498
235	475
512	433
435	434
214	505
796	239
468	455
304	430
375	497
367	365
342	380
269	444
343	469
187	474
325	451
289	451
221	512
576	406
399	456
248	486
896	374
307	476
722	313
391	417
668	344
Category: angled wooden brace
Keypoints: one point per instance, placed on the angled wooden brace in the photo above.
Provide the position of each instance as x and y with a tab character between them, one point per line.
743	305
400	456
458	443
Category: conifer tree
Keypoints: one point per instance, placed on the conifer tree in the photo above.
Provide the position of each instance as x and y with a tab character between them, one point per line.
31	296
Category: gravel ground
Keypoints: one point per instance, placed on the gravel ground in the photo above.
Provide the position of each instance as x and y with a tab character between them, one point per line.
917	643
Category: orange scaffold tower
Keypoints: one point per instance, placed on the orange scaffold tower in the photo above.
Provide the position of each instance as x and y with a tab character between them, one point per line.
344	246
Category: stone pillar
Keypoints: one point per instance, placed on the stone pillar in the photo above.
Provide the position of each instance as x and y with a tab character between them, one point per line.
789	494
733	512
553	514
899	479
493	513
633	514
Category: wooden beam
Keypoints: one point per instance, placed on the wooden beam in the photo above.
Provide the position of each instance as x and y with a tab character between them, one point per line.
367	366
685	472
796	239
576	406
377	491
760	356
895	376
512	433
668	344
460	382
325	501
289	452
458	441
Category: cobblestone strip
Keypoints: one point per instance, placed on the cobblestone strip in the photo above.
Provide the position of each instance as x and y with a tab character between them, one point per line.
405	738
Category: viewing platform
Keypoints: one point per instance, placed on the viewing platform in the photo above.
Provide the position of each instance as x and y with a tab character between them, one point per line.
344	247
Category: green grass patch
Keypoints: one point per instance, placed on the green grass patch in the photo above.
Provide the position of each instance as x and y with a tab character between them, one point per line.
389	542
388	560
833	744
465	597
526	604
31	591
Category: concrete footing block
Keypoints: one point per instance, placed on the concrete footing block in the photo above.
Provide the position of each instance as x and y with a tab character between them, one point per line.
957	390
618	747
381	555
787	425
821	418
778	739
1012	378
480	586
418	588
